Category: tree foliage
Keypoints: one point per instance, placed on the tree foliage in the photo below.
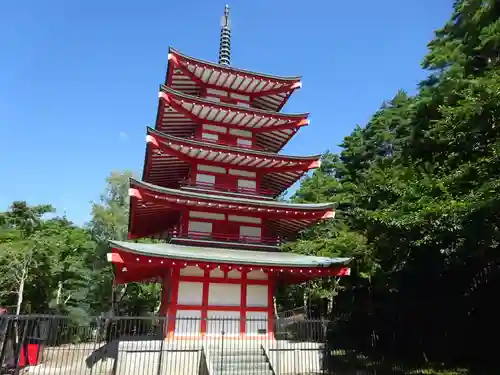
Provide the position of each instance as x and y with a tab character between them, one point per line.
417	193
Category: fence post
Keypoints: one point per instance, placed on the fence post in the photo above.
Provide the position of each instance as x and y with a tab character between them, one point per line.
222	347
20	344
278	352
5	328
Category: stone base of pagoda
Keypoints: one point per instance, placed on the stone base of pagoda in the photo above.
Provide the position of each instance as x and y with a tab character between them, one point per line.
213	303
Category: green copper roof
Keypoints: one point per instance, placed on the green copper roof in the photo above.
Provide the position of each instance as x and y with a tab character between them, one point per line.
236	200
219	255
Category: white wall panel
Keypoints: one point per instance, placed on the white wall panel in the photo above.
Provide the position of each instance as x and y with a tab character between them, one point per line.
253	233
242	133
257	295
190	293
239	172
187	323
257	275
224	294
205	179
192	271
207	215
210	136
247	184
244	219
199	226
255	321
214	128
211	168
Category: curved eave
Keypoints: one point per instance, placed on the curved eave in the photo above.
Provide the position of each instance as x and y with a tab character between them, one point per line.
169	159
281	79
232	156
225	256
225	114
191	75
155	210
319	210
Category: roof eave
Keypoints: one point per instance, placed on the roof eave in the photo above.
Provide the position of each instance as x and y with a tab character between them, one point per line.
289	79
188	194
168	137
166	89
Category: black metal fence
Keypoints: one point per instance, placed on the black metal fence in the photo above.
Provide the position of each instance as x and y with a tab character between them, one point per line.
139	345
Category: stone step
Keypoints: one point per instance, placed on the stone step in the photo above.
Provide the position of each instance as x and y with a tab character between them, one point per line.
242	372
235	352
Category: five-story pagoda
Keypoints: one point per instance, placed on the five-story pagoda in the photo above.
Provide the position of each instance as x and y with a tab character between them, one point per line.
211	176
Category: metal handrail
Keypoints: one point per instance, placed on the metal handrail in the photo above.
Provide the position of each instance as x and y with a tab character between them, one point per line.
227	188
227	237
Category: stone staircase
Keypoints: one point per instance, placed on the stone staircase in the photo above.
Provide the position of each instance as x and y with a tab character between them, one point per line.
231	361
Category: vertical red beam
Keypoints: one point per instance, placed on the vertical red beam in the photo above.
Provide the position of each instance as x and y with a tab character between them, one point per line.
172	308
243	302
165	293
204	302
270	305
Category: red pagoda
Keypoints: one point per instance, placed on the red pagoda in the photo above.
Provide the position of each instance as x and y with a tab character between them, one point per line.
211	177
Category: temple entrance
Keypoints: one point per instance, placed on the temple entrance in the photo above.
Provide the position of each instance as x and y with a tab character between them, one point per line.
213	304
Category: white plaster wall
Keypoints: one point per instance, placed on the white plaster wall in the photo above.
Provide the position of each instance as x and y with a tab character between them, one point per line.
190	293
257	275
239	172
234	274
190	325
224	294
256	320
244	142
257	295
247	184
207	215
199	226
210	136
244	219
215	128
205	178
242	133
253	232
192	271
211	168
217	273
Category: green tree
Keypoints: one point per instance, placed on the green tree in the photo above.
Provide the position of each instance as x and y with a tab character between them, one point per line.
110	222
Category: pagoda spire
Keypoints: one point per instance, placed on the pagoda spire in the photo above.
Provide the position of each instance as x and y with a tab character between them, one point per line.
225	38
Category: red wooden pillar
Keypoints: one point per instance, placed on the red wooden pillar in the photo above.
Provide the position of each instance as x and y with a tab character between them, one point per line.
270	305
204	302
243	302
172	307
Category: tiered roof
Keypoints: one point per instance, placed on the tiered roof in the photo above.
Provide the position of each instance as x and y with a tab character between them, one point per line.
146	261
193	76
180	114
168	162
155	210
202	99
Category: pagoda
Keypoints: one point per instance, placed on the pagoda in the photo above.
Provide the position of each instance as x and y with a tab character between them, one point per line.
208	192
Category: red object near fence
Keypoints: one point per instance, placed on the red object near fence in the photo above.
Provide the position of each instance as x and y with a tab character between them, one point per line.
34	352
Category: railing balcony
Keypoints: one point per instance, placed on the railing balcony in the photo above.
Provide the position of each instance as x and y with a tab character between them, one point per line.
250	241
231	144
266	193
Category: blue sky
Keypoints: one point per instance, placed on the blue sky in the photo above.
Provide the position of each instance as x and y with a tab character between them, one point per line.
79	79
